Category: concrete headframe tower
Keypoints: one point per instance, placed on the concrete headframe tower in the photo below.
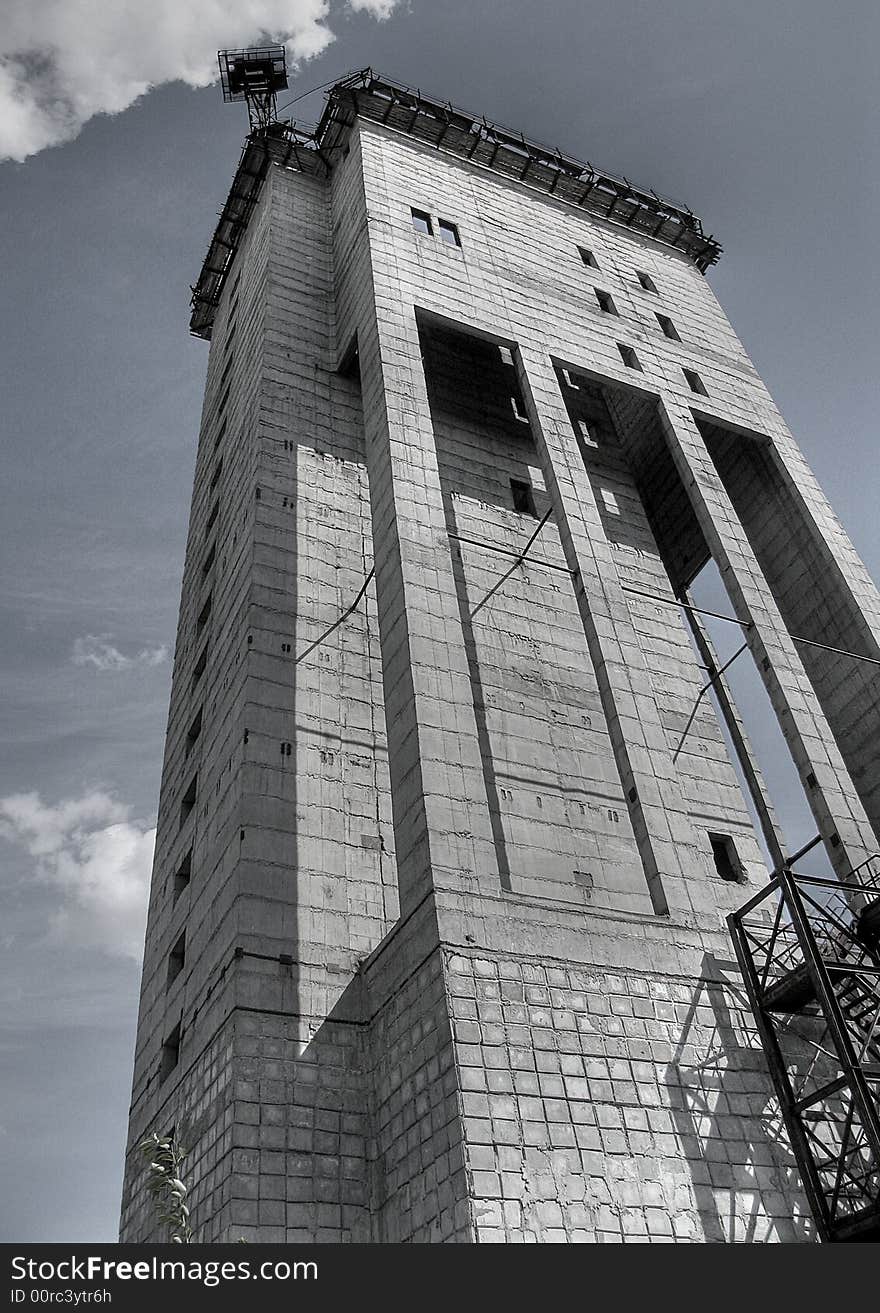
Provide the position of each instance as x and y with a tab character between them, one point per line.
436	945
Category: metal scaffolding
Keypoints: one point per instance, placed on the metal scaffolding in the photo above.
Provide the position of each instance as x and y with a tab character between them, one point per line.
809	951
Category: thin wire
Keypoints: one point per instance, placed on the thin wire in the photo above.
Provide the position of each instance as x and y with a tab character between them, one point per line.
311	91
336	623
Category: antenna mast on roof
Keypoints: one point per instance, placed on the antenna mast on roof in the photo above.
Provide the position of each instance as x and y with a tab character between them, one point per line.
255	76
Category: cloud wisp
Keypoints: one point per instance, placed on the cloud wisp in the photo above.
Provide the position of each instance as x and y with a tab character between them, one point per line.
93	859
97	650
64	61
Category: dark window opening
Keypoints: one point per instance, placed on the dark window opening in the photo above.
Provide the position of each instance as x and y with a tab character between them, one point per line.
205	612
209	559
177	958
448	232
215	511
523	497
606	304
223	401
727	862
182	875
647	283
350	364
193	732
231	330
668	327
519	406
170	1054
628	356
220	433
215	477
694	382
188	801
422	222
226	368
588	258
199	667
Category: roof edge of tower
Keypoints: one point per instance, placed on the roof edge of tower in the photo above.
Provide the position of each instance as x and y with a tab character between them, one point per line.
439	124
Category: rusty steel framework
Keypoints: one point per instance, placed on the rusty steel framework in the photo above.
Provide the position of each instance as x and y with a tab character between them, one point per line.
433	122
809	951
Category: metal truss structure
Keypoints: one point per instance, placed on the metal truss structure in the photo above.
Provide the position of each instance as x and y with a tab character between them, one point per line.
809	951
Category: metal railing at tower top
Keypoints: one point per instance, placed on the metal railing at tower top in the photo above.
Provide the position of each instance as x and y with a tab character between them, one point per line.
809	951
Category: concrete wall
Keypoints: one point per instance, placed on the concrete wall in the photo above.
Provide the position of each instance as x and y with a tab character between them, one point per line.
456	967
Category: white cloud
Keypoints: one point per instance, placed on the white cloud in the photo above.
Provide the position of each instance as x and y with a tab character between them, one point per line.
95	860
96	650
63	61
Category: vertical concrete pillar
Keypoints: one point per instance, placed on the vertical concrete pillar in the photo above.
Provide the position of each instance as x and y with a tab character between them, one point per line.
839	815
441	815
676	868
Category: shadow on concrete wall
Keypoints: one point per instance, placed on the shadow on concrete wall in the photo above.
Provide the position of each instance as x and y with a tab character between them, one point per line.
745	1180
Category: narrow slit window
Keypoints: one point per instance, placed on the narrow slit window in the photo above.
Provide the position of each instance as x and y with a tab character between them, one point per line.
192	734
523	497
519	406
220	433
211	520
350	364
188	801
628	356
588	257
606	303
177	958
694	382
170	1054
725	856
199	667
226	368
646	282
183	874
215	477
422	222
668	327
209	559
223	401
205	613
448	232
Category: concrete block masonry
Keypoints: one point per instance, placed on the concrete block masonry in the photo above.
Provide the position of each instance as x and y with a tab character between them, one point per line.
454	963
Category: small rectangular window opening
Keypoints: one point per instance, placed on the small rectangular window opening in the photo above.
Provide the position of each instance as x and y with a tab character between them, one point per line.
523	497
215	477
199	667
205	613
628	356
647	283
588	258
668	327
177	958
727	862
448	232
606	303
519	406
209	523
209	559
170	1054
182	875
193	732
694	382
188	801
220	432
350	364
422	222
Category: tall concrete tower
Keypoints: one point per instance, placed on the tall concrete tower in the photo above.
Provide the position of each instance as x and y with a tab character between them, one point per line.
447	833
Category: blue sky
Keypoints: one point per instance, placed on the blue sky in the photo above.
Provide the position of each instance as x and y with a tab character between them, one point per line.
759	115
